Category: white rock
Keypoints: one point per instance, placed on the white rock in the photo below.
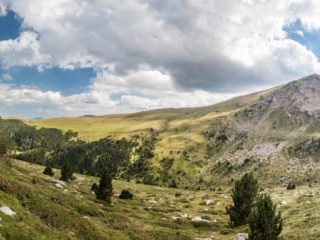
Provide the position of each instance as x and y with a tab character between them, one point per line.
81	178
283	203
209	202
184	215
6	210
153	201
86	217
58	185
61	182
242	236
199	219
308	202
174	217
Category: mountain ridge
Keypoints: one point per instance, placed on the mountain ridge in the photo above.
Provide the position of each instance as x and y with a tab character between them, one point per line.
277	122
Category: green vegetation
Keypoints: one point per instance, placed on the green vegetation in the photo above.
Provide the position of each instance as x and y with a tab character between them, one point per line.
48	171
104	190
66	172
264	222
126	194
243	196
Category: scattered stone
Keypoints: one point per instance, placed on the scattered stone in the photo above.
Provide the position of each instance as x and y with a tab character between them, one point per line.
6	210
81	178
283	203
184	215
60	182
242	236
199	219
209	202
86	217
58	185
308	202
153	201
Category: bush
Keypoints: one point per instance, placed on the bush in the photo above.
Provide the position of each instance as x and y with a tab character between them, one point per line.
104	190
291	186
66	172
126	194
243	196
264	223
48	171
173	184
94	187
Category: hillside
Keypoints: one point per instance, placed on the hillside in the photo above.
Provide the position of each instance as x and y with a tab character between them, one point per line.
43	207
275	133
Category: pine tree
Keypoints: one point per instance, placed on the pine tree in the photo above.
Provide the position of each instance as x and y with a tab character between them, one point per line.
243	196
48	171
264	223
3	149
66	172
104	191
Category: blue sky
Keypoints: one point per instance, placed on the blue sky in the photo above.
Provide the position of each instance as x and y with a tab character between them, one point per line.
114	58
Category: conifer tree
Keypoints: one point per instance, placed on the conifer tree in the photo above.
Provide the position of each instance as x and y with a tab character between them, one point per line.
104	191
3	149
66	172
243	196
264	222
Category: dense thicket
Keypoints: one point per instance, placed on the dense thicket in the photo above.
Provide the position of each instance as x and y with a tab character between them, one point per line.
52	147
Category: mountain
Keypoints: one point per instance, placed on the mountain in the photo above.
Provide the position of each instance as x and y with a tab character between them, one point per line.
275	133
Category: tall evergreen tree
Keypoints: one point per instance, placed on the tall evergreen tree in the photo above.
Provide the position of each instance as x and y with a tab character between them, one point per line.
264	223
66	172
3	148
243	196
104	191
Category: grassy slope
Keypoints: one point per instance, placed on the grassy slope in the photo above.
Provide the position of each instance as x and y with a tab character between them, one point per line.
47	212
179	130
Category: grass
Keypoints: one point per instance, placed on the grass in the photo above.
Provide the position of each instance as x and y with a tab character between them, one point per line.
47	212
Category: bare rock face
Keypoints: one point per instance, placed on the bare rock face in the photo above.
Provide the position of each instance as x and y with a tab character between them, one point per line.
242	236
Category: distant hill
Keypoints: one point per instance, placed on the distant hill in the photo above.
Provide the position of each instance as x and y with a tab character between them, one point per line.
275	133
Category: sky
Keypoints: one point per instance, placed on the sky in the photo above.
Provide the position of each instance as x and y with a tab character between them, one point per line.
72	57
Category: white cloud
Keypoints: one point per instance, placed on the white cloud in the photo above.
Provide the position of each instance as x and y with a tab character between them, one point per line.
161	53
3	9
7	77
299	32
23	51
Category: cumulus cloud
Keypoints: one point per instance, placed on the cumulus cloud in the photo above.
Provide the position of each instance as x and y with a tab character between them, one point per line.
163	53
23	51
